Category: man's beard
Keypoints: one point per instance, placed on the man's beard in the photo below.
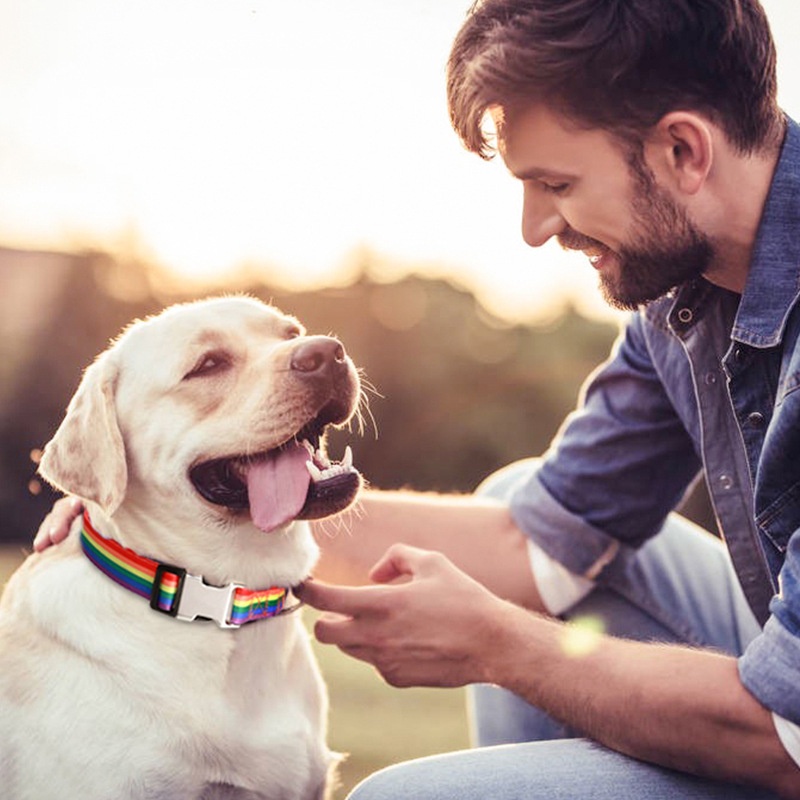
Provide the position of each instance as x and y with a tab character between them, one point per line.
667	249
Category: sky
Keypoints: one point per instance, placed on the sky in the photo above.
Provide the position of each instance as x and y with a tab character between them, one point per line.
295	135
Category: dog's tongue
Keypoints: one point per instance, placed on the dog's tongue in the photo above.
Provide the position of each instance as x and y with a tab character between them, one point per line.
277	487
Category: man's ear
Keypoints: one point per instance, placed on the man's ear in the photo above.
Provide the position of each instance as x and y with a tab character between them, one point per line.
86	456
680	148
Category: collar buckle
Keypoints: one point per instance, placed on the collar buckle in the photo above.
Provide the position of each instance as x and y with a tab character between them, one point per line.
201	599
194	598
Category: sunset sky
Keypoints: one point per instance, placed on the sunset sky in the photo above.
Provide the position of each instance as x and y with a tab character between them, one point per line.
216	132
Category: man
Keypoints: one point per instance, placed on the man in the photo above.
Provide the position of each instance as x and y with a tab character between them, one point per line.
646	134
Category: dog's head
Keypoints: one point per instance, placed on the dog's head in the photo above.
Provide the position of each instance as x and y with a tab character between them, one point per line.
211	408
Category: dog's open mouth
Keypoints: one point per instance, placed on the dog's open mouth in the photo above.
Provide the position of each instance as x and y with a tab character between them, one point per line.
296	480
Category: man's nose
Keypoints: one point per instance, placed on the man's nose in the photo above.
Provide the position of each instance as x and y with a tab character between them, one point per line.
541	219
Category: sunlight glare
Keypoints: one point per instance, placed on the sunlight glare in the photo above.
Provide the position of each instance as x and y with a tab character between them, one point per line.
581	636
231	132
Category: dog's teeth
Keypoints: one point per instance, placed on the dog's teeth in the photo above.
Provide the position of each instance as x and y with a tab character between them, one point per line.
308	446
332	470
323	459
316	475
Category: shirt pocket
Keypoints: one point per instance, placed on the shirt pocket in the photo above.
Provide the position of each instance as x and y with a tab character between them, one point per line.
781	518
777	500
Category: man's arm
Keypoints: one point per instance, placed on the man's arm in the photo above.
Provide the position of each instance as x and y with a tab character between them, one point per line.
678	707
476	534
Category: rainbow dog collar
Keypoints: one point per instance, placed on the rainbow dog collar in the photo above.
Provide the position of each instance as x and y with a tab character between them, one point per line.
175	592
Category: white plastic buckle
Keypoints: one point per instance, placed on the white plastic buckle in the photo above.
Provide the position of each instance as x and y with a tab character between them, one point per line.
200	599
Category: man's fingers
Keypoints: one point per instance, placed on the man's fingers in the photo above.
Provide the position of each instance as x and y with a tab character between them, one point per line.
402	561
394	564
56	525
347	600
339	631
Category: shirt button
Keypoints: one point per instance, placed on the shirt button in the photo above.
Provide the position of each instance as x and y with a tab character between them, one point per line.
685	315
710	378
755	419
725	482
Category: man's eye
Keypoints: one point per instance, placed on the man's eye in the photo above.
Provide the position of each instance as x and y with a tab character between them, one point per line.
209	364
555	188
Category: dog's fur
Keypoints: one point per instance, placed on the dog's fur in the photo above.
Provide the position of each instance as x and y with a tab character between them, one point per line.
102	697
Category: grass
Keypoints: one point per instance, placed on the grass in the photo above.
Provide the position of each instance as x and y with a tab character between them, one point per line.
378	725
373	723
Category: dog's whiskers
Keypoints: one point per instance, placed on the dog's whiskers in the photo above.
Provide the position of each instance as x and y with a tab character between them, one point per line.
363	413
341	523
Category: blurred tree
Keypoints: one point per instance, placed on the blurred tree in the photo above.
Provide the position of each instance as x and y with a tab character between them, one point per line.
72	328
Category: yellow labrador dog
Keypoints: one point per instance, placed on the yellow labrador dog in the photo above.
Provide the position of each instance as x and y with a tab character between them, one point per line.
196	444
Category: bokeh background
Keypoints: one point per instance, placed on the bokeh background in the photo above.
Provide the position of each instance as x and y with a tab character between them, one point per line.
161	150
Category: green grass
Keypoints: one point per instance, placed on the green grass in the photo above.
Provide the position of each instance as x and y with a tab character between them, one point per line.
373	723
377	725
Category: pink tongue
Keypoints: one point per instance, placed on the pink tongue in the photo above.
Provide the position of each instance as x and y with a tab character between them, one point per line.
278	486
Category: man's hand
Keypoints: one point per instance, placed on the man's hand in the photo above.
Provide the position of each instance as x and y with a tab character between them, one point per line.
56	525
430	629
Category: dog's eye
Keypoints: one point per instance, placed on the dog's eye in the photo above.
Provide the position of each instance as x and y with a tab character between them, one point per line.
209	364
293	332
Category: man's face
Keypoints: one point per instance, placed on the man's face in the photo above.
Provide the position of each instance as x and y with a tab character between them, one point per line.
581	187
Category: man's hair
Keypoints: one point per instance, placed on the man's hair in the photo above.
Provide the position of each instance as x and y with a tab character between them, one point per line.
618	65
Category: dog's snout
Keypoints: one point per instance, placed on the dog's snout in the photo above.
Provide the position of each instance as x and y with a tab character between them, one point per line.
317	354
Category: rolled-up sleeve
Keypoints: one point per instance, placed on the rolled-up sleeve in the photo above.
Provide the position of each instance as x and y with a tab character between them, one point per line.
621	462
770	666
536	512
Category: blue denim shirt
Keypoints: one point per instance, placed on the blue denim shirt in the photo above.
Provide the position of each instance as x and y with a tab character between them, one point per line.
701	379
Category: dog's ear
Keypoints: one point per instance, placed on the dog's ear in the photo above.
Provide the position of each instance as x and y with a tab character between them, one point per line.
86	456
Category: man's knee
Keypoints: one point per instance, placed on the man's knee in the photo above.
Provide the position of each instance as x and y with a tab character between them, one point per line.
576	768
408	779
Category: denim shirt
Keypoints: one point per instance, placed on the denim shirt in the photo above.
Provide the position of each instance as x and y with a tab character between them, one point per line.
703	379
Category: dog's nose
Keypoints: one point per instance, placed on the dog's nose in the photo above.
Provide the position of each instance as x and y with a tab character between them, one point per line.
316	354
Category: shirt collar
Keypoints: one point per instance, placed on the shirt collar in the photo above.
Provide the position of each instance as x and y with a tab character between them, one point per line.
773	282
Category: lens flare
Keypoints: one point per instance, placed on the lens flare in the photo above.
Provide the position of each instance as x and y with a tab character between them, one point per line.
581	636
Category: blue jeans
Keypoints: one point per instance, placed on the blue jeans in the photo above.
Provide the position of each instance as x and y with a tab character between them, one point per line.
682	590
